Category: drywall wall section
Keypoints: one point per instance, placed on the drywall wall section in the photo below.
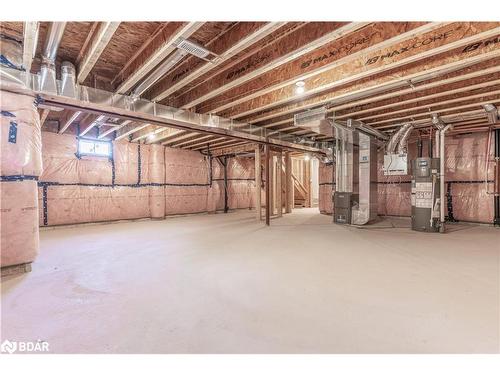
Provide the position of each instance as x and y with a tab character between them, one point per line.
138	181
468	182
20	164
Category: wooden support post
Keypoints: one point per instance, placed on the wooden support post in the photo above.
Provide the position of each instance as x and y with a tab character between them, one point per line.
279	186
258	184
307	182
272	184
288	183
268	181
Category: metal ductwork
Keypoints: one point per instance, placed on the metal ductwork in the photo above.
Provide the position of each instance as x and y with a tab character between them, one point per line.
184	47
492	113
396	137
48	70
68	80
403	143
356	191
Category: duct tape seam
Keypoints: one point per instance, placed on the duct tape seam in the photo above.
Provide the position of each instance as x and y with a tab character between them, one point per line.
44	204
7	114
19	177
12	132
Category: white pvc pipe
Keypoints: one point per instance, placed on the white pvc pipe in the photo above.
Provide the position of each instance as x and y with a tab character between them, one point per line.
436	141
441	177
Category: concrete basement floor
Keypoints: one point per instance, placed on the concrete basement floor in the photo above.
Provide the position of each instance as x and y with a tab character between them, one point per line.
227	284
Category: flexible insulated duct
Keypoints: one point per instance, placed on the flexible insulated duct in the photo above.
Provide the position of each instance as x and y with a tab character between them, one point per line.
393	142
403	143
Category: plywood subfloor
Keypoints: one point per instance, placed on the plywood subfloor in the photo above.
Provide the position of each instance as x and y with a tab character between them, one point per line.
227	284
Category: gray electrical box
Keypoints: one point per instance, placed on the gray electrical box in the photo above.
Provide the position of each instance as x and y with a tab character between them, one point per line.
425	201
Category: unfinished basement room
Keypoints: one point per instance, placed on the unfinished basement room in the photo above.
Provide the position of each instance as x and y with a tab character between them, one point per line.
240	187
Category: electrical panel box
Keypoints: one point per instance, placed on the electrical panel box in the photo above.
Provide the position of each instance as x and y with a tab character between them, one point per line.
395	164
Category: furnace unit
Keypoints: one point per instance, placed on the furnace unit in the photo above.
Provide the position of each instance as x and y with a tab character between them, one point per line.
425	201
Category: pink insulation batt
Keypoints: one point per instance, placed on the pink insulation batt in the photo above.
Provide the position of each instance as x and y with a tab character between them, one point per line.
172	181
20	165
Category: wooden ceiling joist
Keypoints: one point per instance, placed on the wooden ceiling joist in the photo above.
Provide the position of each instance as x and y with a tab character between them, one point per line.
129	129
157	56
103	35
208	91
205	142
67	120
30	41
181	137
113	128
398	103
370	64
382	124
90	122
413	89
195	139
237	44
360	42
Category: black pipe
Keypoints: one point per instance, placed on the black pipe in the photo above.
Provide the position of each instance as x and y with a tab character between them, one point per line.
419	147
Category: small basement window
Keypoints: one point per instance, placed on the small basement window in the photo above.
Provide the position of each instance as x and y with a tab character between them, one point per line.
94	147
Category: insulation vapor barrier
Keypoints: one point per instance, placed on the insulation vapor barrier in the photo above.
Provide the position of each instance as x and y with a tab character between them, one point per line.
468	179
20	166
138	181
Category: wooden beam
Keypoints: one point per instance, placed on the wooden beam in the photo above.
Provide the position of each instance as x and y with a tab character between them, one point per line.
99	42
267	151
158	56
68	119
30	41
370	38
363	65
252	33
279	185
43	116
258	183
170	120
296	44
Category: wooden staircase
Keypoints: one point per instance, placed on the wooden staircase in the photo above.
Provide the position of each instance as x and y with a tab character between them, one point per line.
300	193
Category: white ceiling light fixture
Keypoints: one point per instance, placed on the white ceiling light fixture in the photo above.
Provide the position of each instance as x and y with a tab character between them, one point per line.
300	87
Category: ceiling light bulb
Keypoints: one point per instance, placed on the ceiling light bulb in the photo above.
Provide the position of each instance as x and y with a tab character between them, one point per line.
300	87
307	157
151	137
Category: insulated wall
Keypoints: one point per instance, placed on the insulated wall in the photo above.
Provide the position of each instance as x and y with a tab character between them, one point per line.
468	181
138	181
20	166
